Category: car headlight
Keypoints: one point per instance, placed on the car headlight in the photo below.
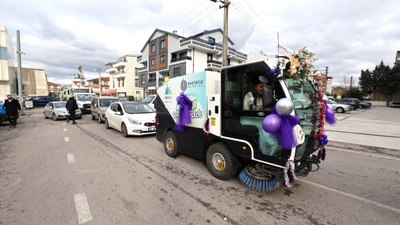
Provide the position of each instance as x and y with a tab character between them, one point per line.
134	121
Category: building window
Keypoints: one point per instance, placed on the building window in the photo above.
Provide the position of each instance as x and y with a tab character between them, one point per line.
209	57
153	61
182	54
211	40
162	58
162	44
177	72
153	48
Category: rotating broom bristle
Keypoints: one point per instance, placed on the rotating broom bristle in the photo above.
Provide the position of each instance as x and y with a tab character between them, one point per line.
258	184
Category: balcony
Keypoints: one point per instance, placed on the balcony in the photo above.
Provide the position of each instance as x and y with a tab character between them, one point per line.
120	64
198	44
111	70
214	65
119	75
181	59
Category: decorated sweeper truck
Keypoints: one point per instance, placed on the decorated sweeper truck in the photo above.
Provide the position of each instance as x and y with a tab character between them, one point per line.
266	137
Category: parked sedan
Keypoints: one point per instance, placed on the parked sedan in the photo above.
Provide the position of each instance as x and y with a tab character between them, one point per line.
57	110
131	118
340	108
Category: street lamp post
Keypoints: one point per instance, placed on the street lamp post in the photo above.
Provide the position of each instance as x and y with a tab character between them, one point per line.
19	71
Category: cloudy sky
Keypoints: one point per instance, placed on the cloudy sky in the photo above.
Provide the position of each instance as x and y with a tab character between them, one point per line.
60	35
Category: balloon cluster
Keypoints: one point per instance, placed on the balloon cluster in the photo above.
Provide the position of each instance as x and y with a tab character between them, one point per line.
280	123
323	140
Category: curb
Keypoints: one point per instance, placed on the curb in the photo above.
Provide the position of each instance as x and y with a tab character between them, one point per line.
364	148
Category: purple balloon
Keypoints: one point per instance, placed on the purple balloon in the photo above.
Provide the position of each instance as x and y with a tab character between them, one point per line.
271	123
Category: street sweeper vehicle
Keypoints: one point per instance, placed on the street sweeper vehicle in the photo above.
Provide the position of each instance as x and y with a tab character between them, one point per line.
251	119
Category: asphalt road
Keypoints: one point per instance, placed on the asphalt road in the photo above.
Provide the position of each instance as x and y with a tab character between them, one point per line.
57	173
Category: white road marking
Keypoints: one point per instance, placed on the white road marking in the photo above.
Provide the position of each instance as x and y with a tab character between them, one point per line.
82	208
66	139
366	153
352	196
65	129
70	158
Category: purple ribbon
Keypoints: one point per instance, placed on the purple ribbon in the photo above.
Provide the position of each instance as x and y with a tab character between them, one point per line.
285	133
185	105
329	114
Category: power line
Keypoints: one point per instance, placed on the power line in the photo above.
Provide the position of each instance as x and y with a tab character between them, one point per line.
190	24
259	28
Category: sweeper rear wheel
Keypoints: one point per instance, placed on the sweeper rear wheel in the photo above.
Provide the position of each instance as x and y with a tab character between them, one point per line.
171	144
221	163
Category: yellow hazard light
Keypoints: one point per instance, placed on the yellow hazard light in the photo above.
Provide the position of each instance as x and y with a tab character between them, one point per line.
244	148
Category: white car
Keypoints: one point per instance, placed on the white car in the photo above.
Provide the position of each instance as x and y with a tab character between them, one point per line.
338	107
57	110
131	118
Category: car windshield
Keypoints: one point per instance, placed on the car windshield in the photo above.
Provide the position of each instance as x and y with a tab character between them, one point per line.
148	99
59	104
84	97
136	108
107	102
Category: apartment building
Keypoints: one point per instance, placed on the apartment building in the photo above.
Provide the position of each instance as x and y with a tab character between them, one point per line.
8	77
167	54
96	88
34	80
124	78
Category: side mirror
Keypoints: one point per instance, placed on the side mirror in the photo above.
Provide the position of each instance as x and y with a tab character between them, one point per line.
95	104
118	113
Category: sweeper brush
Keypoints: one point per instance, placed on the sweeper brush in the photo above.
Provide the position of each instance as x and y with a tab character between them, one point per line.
258	179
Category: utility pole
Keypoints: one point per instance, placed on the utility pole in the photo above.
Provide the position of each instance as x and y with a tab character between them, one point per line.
225	5
19	71
326	71
99	71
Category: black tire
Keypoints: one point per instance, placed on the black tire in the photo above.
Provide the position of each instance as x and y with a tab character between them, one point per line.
106	124
54	117
339	110
171	144
44	114
99	119
124	131
221	163
93	117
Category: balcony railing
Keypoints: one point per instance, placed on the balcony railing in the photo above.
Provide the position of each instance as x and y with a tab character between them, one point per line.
214	65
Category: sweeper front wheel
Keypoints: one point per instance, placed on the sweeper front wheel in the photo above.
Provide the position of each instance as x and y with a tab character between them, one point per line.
171	144
221	163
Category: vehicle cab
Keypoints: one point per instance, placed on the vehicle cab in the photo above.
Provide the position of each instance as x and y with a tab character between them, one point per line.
84	101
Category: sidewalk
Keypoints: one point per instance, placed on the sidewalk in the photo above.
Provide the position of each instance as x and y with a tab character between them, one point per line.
375	130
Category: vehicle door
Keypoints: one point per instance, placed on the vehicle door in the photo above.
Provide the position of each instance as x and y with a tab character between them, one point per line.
119	114
113	117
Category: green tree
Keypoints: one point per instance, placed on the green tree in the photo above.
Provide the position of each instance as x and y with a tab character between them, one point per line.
366	82
353	93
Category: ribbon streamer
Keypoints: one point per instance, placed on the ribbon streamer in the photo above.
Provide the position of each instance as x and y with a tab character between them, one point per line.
185	105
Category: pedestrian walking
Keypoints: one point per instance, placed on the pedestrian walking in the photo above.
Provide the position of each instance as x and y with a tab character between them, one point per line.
12	108
71	107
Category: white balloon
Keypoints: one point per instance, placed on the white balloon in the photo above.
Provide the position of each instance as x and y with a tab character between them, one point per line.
284	106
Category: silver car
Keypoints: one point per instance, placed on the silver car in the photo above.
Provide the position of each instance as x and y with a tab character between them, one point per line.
338	107
57	110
